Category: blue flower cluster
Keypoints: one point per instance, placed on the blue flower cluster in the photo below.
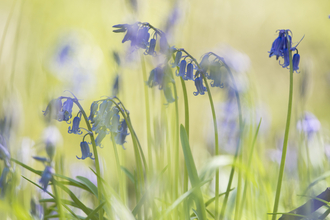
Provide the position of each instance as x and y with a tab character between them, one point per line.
139	36
105	118
5	156
280	48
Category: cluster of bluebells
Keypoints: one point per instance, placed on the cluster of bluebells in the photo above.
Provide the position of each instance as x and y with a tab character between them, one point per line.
105	118
281	47
186	65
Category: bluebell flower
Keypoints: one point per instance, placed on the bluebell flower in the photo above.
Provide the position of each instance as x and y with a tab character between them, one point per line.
67	110
142	38
64	53
3	180
115	123
204	64
286	58
131	33
113	111
75	126
295	62
308	124
85	151
121	136
94	108
182	70
53	110
46	176
5	155
37	210
199	86
215	75
100	137
177	59
278	45
152	45
50	150
190	72
156	77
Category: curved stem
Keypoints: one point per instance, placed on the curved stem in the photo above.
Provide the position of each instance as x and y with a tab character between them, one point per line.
97	162
286	137
216	140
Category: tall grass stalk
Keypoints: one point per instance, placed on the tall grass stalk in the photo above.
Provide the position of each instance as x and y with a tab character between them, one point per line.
286	137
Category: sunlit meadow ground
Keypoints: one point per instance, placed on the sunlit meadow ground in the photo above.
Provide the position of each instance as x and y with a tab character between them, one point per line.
33	32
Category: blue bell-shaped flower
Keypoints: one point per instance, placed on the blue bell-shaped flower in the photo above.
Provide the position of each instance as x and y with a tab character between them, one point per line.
85	151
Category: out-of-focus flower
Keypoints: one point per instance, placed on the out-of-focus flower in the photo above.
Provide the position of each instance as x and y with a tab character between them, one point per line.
54	109
156	77
177	59
46	176
121	136
66	113
3	180
93	110
85	151
37	210
5	155
199	86
100	137
308	124
52	137
115	87
182	71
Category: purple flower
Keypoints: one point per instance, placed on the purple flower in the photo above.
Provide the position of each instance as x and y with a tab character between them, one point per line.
100	137
308	124
286	58
177	59
278	45
85	151
182	70
190	72
94	108
3	180
152	45
66	112
5	155
156	77
53	110
295	62
142	38
75	126
131	33
215	75
199	86
47	175
121	136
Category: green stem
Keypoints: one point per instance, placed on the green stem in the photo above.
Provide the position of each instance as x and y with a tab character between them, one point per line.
122	187
97	162
216	140
286	138
147	106
58	200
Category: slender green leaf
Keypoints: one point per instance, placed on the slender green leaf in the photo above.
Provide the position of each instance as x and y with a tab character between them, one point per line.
192	173
95	210
89	184
129	174
38	172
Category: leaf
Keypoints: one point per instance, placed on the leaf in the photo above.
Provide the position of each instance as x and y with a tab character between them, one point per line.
129	175
89	184
95	210
192	173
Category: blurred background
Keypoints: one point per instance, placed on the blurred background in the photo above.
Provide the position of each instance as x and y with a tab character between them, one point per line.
49	47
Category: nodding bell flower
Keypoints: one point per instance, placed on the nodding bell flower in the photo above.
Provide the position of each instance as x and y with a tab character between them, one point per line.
115	123
278	45
67	110
131	33
142	38
94	108
53	110
177	59
100	137
190	72
295	62
286	58
205	64
75	125
152	45
85	151
121	136
156	77
182	70
46	176
215	75
199	86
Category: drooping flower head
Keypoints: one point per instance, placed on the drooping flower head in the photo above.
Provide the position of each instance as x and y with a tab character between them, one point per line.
75	125
121	136
199	86
85	151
